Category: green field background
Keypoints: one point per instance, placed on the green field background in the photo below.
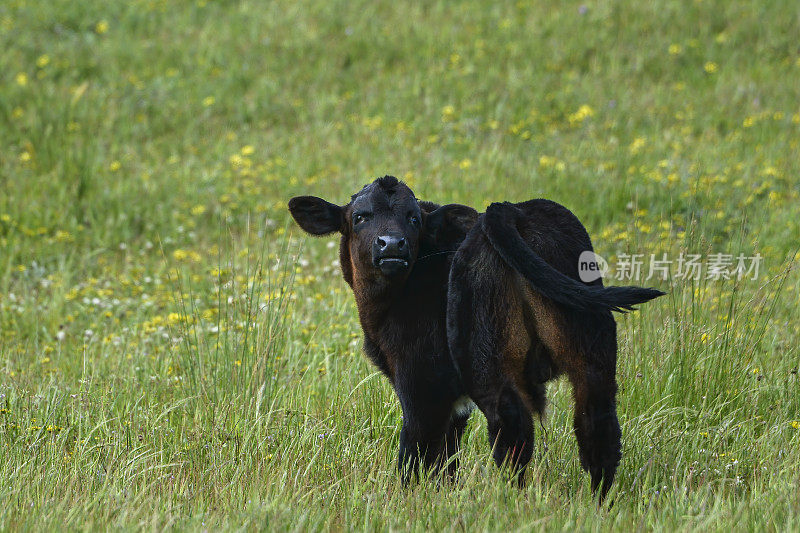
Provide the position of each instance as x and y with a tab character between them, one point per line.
176	354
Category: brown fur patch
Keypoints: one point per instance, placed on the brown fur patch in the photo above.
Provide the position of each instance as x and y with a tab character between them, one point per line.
517	344
532	319
346	259
549	323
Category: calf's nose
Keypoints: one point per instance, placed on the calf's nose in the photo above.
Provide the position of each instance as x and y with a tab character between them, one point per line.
388	245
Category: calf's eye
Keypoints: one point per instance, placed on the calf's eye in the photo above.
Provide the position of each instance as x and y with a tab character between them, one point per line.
358	219
414	219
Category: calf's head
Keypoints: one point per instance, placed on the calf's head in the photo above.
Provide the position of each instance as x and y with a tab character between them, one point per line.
384	229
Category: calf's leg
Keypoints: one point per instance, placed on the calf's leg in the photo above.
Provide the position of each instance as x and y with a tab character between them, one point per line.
429	437
596	426
510	427
452	442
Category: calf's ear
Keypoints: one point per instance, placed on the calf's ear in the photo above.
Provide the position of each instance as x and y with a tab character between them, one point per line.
447	226
315	215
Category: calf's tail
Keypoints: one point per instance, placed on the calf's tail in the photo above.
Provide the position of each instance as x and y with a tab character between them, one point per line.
500	227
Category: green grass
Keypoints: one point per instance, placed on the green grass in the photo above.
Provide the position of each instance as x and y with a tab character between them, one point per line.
174	353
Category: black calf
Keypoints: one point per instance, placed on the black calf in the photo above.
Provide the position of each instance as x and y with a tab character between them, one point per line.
454	304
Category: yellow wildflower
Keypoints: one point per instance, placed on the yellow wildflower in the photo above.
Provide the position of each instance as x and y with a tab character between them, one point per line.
637	144
583	112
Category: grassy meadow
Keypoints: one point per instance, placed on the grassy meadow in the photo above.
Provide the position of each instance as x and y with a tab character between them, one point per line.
176	354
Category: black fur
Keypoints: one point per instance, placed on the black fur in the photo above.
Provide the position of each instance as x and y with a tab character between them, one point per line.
490	307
